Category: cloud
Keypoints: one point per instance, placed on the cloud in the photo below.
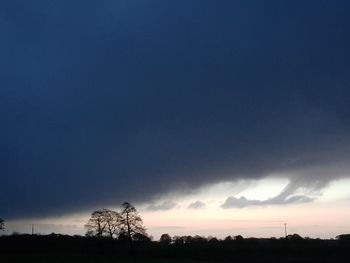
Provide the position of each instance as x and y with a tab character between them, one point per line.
196	205
287	196
166	205
106	102
232	202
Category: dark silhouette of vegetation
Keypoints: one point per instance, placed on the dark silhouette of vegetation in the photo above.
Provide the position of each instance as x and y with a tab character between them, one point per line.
2	224
96	226
131	220
181	248
104	222
294	237
141	237
132	223
239	238
344	237
121	237
125	225
228	239
165	239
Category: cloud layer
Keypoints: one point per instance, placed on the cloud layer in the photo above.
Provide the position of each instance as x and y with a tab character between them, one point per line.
127	100
287	196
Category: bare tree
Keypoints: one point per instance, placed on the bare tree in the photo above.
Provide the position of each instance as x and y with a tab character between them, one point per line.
96	225
126	224
132	222
2	224
113	222
104	222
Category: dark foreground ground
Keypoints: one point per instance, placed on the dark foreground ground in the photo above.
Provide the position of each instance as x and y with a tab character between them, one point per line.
57	248
108	259
85	259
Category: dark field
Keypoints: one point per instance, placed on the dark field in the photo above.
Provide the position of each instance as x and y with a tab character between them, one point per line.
115	259
57	248
85	259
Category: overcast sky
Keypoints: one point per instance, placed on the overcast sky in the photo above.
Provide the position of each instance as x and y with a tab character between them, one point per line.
106	101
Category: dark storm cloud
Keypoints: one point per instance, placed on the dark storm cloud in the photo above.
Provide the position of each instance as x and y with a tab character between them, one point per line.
102	102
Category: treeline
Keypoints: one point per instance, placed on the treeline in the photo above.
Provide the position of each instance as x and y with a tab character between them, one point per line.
121	234
181	247
187	239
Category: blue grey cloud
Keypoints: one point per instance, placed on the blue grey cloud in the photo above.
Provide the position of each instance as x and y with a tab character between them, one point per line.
166	205
196	205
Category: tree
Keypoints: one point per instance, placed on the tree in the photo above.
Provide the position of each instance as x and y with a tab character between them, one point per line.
132	222
199	239
295	237
228	239
113	222
188	239
2	224
213	240
104	222
96	225
141	237
165	239
239	238
179	240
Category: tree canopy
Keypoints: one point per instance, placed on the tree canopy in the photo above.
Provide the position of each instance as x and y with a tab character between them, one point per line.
131	221
104	222
165	238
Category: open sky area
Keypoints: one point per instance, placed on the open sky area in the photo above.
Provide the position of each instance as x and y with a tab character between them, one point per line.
211	117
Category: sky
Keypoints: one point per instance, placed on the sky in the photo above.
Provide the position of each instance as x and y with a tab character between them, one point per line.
210	116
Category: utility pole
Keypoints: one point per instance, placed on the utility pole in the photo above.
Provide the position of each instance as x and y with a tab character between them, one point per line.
32	229
285	229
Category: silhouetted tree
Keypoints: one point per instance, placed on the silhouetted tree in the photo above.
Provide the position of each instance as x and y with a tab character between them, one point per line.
188	239
2	224
343	237
179	240
199	239
131	222
165	239
104	222
213	239
228	239
295	237
96	225
141	237
239	238
113	222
